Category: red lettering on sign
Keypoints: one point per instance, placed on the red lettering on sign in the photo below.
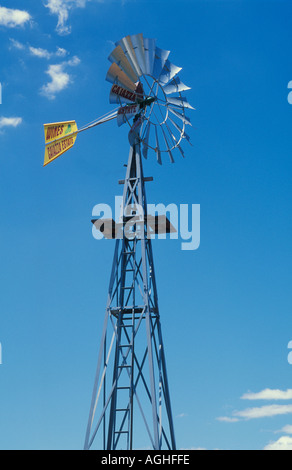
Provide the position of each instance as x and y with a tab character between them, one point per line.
54	131
117	90
129	110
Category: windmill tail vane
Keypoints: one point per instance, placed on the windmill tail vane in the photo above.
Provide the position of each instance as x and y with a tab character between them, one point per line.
147	89
131	390
61	136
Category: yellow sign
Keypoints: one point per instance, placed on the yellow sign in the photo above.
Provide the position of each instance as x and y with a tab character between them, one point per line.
59	137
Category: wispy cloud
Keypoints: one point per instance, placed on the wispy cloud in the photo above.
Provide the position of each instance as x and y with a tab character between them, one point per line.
286	429
13	18
44	53
61	8
60	78
58	73
16	44
269	394
61	52
38	51
265	411
227	419
10	122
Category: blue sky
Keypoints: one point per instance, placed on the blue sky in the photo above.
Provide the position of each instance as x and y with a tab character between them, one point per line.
226	307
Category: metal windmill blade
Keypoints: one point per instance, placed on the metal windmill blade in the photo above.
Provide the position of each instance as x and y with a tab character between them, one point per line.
139	64
121	60
116	75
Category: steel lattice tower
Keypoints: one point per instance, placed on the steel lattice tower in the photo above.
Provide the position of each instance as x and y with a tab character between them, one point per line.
131	373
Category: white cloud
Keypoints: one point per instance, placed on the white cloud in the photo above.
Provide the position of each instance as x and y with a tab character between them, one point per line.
267	411
60	79
13	18
61	8
227	419
73	62
259	412
61	52
286	429
283	443
262	411
43	53
10	122
269	394
39	52
17	44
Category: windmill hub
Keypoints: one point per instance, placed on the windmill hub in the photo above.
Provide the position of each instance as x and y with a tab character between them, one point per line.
148	101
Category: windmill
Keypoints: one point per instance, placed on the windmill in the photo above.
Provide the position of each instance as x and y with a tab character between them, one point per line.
130	403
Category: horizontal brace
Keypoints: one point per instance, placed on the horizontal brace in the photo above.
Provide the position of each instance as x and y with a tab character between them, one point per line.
129	311
146	179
